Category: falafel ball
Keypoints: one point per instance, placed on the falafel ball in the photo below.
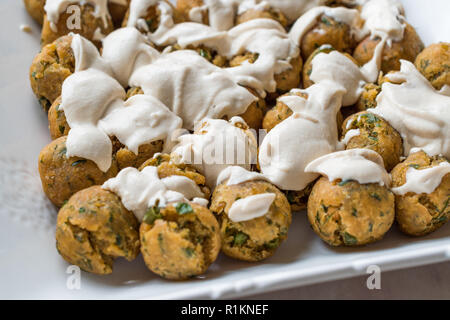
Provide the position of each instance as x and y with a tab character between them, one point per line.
307	68
281	112
253	116
421	214
50	68
180	240
117	12
256	239
375	134
368	97
407	49
57	122
35	9
62	177
285	80
346	213
184	7
167	167
328	31
89	27
93	228
434	63
265	13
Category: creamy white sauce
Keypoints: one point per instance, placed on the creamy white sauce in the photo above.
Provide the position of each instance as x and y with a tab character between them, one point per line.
53	9
192	87
235	175
140	190
127	50
306	22
382	18
361	165
423	180
222	13
95	115
308	134
417	111
265	37
336	67
350	134
25	28
251	207
215	146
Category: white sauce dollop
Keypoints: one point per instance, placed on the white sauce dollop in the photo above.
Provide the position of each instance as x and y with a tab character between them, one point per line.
95	115
350	134
336	67
265	37
417	111
235	175
308	134
251	207
140	190
192	87
216	146
53	9
361	165
423	180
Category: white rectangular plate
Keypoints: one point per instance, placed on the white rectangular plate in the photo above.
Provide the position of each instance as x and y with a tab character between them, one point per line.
31	268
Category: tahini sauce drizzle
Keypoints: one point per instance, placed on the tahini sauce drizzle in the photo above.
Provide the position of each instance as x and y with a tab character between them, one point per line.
251	207
140	190
215	145
361	165
423	180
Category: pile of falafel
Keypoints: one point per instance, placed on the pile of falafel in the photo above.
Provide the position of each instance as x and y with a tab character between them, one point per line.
182	240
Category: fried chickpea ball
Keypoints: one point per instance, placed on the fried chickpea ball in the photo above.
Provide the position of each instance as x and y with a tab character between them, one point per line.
59	127
256	239
126	158
209	54
269	13
375	134
184	7
179	241
57	122
50	68
421	214
152	18
62	177
35	9
168	167
407	49
89	24
253	116
346	213
368	98
299	199
328	31
307	68
117	12
285	80
434	64
281	112
93	228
